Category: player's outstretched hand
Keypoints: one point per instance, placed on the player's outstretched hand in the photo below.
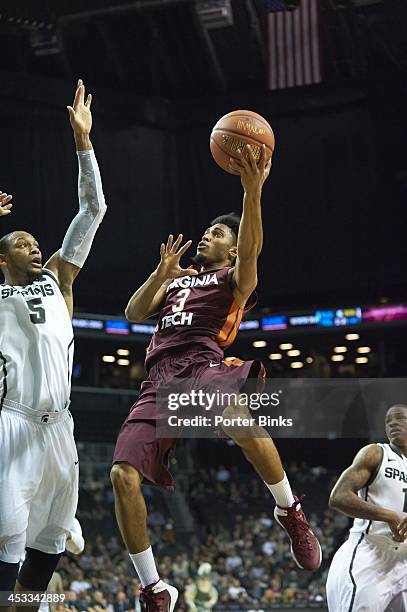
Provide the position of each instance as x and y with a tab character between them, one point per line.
5	204
171	254
252	174
79	113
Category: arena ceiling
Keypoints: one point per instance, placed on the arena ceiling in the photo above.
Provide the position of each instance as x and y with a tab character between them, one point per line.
166	48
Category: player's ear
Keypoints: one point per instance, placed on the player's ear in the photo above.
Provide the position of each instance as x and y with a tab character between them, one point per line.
2	259
233	253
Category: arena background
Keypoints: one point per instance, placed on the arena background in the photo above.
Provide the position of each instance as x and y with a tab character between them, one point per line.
162	73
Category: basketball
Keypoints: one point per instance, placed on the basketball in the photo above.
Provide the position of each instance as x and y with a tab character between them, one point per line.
236	129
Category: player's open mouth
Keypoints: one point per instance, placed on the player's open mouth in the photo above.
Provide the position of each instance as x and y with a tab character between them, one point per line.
36	262
202	245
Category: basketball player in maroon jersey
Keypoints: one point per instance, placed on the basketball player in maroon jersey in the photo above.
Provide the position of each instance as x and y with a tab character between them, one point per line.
199	315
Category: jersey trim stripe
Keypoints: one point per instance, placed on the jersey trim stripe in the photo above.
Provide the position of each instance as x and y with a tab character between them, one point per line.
47	272
3	396
67	358
395	449
229	329
366	496
377	470
352	601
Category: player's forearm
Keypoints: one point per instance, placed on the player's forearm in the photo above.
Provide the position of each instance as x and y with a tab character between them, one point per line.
250	238
82	141
141	301
349	503
92	207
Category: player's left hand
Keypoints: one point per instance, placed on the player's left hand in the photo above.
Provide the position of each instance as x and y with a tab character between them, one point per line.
252	174
402	529
79	113
5	204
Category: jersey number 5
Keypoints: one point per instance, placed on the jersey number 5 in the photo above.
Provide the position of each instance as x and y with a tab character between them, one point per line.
37	312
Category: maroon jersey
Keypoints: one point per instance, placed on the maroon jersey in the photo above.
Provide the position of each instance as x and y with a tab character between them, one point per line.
198	310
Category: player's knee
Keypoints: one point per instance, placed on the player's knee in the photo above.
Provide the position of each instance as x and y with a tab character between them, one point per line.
123	477
236	412
37	569
234	418
8	575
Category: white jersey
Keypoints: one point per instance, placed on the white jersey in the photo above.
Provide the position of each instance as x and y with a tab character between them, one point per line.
388	490
36	346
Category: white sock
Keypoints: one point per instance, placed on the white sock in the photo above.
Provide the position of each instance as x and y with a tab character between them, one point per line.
281	491
145	566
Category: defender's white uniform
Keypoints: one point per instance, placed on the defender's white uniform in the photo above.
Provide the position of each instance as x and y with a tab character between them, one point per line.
38	457
369	571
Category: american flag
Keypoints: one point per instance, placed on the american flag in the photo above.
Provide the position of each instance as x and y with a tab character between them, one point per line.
294	44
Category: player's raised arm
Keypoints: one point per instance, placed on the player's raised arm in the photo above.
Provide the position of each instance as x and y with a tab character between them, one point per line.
149	298
344	496
68	261
250	237
5	204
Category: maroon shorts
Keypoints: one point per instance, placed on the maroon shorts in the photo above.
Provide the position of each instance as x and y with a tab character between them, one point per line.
137	443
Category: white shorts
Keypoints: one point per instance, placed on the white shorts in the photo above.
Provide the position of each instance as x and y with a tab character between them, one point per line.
366	577
38	481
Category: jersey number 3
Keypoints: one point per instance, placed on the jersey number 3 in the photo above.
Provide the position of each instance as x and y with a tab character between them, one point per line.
37	311
182	297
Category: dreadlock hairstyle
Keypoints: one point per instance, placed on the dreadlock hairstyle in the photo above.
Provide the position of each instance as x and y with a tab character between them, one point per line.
232	220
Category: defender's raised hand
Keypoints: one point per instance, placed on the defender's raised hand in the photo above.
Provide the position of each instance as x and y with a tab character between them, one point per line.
171	254
5	204
79	113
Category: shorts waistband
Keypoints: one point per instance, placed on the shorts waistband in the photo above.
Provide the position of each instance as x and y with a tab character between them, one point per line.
36	416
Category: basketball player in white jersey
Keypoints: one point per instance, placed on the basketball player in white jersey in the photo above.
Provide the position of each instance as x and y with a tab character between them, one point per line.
38	458
369	571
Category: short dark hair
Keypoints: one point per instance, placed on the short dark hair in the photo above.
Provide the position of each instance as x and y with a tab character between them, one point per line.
232	220
5	242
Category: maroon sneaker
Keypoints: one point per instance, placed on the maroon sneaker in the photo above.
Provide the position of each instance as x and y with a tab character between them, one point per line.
305	547
158	597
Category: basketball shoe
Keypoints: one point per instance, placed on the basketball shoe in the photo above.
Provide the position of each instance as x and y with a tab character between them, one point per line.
158	597
305	547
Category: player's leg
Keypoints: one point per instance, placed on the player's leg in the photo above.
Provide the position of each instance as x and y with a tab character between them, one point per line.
8	577
399	603
54	505
18	467
259	449
131	510
139	457
358	578
35	574
339	585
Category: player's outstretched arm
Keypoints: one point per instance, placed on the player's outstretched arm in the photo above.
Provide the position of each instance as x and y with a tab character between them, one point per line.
5	204
250	237
68	261
149	298
345	499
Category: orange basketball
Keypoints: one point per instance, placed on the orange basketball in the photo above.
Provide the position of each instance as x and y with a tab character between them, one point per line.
236	129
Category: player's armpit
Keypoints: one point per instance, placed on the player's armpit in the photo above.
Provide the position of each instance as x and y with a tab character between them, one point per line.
65	271
361	473
244	279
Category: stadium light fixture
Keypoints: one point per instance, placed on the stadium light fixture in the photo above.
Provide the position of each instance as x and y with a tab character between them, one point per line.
109	358
361	360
